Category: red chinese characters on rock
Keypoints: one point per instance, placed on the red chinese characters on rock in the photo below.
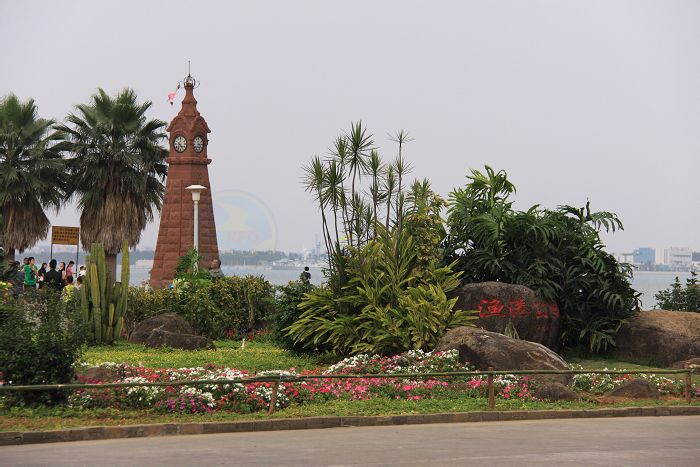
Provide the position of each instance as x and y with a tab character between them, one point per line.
489	308
517	307
545	310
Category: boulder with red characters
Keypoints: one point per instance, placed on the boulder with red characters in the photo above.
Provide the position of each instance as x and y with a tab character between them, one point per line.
514	310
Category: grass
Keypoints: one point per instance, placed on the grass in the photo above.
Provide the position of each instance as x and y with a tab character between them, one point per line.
255	356
258	356
25	419
599	363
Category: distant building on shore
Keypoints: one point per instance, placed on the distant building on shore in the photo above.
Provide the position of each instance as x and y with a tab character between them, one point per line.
644	256
661	259
680	257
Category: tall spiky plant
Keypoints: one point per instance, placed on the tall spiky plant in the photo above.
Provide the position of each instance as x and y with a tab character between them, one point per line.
401	169
359	144
102	301
386	287
352	207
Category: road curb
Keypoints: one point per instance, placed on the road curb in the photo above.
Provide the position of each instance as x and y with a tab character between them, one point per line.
169	429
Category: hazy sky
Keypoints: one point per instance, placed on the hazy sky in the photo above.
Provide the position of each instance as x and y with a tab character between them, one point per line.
594	100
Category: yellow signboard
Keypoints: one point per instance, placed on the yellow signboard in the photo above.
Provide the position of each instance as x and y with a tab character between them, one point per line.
64	235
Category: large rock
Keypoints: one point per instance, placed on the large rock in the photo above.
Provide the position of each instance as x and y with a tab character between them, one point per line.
659	336
169	330
690	363
484	349
100	374
555	392
161	338
635	389
170	322
499	303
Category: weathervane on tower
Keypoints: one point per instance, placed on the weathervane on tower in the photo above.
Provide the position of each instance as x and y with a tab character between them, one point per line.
188	81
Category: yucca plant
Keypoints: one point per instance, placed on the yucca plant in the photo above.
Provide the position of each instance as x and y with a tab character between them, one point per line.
388	305
352	187
386	290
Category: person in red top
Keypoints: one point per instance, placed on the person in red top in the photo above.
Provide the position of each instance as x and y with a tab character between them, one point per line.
69	270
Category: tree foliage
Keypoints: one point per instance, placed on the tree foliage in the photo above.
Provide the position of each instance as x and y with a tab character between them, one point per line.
32	173
558	253
679	298
117	167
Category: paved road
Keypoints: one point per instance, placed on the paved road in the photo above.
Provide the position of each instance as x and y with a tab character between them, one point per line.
624	441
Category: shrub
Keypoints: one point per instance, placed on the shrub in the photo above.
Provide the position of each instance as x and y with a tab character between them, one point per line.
287	300
188	274
226	307
40	340
388	305
146	303
557	253
386	291
681	299
229	306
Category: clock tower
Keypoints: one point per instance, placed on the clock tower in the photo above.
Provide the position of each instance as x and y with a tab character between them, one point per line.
188	165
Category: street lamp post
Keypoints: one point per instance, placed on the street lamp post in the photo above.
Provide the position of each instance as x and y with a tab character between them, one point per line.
196	191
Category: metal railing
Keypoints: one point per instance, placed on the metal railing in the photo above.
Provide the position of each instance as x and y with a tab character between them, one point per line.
276	379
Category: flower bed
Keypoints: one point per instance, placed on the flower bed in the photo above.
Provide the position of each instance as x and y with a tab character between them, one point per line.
246	397
601	383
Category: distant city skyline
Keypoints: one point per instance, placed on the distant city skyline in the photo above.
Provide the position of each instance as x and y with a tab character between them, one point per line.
577	101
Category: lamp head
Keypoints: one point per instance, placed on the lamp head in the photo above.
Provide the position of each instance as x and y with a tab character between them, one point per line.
196	191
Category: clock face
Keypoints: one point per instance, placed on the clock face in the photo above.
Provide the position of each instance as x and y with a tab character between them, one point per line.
180	143
198	143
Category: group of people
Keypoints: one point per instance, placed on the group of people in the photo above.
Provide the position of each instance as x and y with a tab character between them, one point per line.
26	276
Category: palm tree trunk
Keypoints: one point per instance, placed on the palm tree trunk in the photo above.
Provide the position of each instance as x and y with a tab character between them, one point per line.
111	263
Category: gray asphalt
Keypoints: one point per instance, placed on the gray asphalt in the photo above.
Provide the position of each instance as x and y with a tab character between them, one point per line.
609	441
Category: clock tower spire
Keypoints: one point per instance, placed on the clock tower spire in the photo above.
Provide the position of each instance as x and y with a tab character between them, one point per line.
188	165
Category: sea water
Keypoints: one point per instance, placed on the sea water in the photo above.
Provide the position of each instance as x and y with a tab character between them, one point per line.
649	283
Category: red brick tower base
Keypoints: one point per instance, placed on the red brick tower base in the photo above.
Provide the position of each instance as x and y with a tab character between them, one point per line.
188	165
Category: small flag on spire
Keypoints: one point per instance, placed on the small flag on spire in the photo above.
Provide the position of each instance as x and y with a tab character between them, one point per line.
171	95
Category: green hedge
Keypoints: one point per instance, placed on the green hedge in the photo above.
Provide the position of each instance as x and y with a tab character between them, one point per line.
227	307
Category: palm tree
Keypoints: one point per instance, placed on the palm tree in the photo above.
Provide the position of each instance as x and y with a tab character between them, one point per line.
32	175
117	167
